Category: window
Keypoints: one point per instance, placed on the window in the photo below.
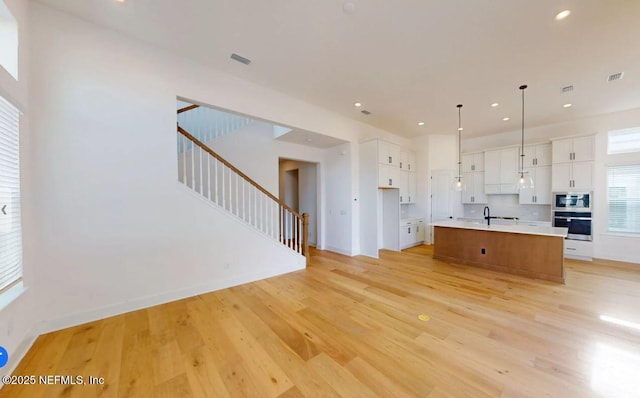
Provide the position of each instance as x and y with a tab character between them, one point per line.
10	230
9	40
624	141
623	197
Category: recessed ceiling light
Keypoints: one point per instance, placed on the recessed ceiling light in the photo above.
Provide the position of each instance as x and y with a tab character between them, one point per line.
494	104
506	118
567	105
357	104
562	15
120	1
460	129
420	123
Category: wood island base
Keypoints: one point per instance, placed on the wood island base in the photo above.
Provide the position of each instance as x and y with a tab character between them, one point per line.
533	256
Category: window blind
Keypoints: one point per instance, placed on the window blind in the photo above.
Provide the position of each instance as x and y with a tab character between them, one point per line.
10	230
623	196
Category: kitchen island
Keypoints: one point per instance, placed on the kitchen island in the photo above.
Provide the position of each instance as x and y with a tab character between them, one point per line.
531	251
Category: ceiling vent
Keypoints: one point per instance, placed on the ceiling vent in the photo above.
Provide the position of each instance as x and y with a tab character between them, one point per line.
240	59
567	89
615	76
366	112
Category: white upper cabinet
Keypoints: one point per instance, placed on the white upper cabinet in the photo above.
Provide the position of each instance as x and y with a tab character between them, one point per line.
408	160
472	162
537	155
474	192
573	149
500	171
388	154
573	164
573	176
540	194
583	148
388	176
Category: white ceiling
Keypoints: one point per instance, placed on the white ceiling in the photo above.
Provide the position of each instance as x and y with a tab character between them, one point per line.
407	60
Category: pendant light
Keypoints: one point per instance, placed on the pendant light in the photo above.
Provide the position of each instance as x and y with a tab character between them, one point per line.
458	185
524	179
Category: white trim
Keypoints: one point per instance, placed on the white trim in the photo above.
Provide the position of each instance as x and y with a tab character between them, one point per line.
338	250
18	354
622	234
149	301
15	291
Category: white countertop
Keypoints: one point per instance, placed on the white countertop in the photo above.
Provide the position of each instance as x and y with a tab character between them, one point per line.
516	229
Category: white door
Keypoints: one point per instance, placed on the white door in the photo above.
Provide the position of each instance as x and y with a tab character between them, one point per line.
441	199
441	195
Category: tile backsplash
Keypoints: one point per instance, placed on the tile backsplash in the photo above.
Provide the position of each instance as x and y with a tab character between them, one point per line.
508	206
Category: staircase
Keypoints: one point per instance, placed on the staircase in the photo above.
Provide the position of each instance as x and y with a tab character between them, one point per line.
207	124
215	179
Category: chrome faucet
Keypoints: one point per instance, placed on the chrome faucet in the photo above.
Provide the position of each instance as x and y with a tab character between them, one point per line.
487	215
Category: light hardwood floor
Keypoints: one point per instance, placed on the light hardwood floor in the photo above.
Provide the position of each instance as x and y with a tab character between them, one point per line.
349	327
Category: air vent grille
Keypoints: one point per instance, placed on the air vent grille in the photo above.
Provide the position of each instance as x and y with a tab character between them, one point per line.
615	76
567	89
366	112
240	59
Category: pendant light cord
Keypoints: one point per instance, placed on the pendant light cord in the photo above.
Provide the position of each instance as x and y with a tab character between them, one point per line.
459	142
522	88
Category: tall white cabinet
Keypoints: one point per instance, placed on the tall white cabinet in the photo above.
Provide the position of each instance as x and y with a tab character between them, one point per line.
387	182
572	168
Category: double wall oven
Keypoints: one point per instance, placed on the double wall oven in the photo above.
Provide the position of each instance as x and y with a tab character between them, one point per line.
572	210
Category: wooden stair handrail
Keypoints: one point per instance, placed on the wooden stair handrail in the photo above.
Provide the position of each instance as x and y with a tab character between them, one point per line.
188	108
232	167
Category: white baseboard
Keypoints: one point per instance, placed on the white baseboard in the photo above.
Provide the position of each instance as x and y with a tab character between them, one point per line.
150	301
339	251
19	353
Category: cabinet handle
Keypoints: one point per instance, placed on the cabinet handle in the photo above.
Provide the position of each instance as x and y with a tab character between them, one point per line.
390	182
400	199
535	161
473	167
409	199
390	160
409	230
418	228
400	164
409	166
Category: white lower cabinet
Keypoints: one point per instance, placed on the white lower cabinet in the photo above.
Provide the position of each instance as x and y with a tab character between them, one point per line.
578	249
412	233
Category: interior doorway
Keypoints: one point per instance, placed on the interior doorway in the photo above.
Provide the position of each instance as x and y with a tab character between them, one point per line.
298	188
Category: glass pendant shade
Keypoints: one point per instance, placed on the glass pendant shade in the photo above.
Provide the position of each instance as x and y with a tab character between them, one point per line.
525	181
458	184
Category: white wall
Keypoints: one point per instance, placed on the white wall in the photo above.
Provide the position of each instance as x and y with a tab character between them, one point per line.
110	212
115	228
608	246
